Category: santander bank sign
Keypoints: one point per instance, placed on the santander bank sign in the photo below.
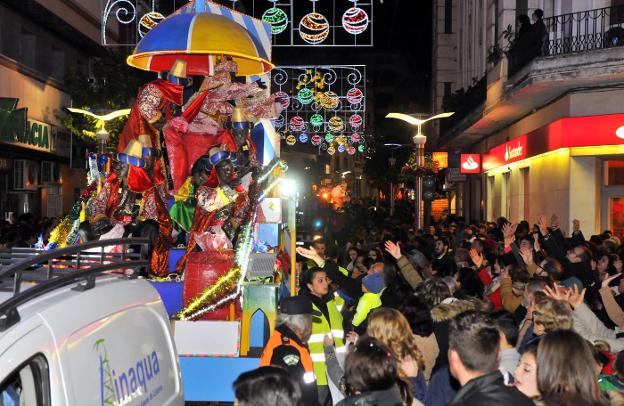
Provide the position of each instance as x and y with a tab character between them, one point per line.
511	151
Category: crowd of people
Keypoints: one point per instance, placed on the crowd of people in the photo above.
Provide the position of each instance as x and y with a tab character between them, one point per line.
463	314
25	230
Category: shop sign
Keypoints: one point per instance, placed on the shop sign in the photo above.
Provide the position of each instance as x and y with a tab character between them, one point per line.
35	134
441	158
512	151
470	163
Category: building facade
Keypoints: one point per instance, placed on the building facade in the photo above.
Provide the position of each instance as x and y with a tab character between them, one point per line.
544	124
41	167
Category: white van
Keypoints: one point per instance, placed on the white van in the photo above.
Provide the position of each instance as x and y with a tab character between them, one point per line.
108	345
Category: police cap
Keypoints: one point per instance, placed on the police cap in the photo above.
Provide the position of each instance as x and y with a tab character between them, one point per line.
296	305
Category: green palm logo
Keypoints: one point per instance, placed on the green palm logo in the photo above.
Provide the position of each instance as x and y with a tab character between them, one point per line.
107	392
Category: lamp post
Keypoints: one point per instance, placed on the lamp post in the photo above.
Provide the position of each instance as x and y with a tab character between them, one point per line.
419	142
102	137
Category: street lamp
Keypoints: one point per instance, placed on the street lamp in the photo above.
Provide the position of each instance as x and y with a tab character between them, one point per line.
419	141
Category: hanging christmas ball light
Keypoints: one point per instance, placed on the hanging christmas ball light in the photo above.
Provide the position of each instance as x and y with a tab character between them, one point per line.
329	100
313	28
331	150
277	18
351	150
341	148
355	138
283	98
355	121
355	96
149	21
296	124
355	21
305	96
361	148
303	138
316	140
279	122
316	120
324	146
344	140
291	140
329	137
336	124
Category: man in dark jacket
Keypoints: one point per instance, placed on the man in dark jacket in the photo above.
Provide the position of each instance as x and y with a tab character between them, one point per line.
443	263
473	360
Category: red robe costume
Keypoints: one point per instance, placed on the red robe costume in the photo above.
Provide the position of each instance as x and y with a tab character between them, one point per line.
106	201
153	208
147	110
215	206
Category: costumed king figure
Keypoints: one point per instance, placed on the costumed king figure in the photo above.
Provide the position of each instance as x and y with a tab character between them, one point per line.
217	200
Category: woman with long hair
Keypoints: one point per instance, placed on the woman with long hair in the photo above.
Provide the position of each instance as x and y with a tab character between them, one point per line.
565	371
371	375
392	328
525	375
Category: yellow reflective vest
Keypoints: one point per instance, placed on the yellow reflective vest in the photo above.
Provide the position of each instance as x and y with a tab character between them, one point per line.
321	327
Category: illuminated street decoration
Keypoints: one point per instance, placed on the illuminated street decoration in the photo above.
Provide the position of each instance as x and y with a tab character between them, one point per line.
314	28
283	98
291	140
149	21
355	20
355	121
316	120
305	23
276	17
327	103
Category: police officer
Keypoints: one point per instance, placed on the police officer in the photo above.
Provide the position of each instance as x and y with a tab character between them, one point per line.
287	346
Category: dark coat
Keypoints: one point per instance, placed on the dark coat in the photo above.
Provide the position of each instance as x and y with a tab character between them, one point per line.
388	397
489	390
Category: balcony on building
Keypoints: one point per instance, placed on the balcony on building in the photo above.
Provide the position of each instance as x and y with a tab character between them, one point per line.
580	50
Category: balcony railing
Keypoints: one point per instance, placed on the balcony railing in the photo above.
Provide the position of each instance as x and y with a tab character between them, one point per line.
569	33
462	104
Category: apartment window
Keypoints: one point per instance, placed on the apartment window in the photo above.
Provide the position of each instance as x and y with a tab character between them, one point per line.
448	16
522	7
28	48
58	63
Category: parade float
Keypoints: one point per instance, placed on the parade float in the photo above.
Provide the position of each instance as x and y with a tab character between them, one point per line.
197	171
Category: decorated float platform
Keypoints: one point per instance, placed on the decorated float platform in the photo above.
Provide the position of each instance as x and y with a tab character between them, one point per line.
200	160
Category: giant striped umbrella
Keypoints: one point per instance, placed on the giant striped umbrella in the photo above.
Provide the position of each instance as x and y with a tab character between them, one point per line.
198	34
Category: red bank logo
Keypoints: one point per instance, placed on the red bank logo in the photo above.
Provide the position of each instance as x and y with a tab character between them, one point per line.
470	163
513	152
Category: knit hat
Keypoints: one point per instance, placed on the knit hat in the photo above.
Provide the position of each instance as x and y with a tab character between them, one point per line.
374	282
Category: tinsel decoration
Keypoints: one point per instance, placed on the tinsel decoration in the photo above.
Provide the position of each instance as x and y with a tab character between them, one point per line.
212	297
58	236
72	236
67	230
